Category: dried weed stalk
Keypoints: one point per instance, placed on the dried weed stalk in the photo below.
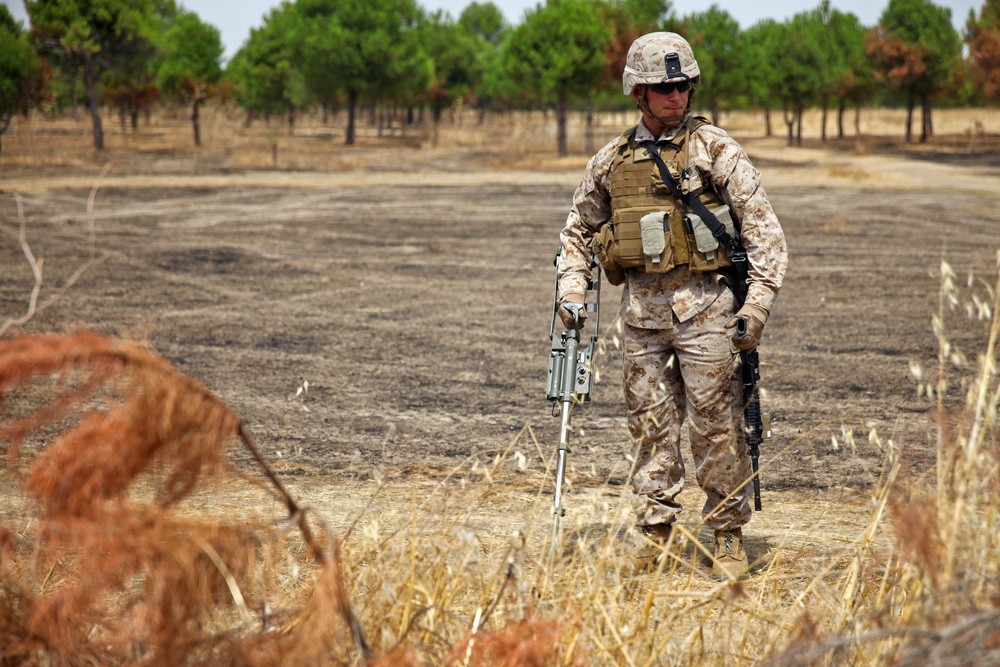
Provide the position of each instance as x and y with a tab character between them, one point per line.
934	600
113	572
37	264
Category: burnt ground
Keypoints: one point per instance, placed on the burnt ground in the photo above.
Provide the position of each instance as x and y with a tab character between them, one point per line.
415	302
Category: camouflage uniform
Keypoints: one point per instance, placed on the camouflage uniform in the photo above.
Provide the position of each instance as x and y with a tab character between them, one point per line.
679	361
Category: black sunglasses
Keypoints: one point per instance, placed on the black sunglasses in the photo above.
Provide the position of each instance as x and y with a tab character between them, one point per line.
669	87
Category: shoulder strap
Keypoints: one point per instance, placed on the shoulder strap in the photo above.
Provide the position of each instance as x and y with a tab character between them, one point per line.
697	121
693	203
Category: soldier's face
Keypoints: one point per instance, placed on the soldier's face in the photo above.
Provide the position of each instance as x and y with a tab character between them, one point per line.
669	105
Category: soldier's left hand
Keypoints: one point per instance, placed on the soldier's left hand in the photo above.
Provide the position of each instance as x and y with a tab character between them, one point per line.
567	317
755	317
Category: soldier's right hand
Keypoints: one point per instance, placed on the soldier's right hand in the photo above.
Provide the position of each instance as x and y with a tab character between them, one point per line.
567	317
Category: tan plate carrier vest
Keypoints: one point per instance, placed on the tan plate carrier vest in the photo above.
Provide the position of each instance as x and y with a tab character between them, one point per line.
637	191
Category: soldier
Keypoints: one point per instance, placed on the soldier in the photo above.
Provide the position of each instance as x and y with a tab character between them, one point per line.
681	349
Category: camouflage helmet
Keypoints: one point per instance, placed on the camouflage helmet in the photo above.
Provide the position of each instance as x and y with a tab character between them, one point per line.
658	57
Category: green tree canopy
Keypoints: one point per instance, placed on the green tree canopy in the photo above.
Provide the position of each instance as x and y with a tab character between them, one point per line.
762	43
363	49
22	75
557	54
263	73
799	67
95	36
191	65
455	52
718	47
844	71
852	80
489	27
916	50
131	83
485	20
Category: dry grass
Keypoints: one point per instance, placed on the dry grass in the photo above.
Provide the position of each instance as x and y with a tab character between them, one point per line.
126	553
131	539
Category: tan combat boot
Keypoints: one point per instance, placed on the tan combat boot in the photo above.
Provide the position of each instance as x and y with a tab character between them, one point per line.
647	544
730	557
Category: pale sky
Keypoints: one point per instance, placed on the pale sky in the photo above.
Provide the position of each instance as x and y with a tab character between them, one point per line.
235	19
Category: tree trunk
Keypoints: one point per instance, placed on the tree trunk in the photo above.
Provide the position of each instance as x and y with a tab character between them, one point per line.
822	121
91	83
4	124
589	135
562	107
768	129
134	117
195	114
789	116
857	119
352	107
909	118
291	120
926	126
798	121
436	111
841	108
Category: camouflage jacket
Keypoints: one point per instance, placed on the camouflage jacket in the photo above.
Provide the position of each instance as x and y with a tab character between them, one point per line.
651	300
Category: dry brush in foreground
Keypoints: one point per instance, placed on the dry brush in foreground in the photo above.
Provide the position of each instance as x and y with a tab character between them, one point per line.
119	563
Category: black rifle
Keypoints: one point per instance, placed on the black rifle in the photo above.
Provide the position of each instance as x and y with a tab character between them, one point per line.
757	425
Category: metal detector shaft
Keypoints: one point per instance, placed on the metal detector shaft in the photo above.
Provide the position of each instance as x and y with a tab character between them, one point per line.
570	377
567	397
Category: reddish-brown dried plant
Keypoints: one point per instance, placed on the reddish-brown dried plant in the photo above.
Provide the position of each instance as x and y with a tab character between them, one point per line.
111	571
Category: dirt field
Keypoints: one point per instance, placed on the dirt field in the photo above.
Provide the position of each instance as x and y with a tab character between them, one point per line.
411	288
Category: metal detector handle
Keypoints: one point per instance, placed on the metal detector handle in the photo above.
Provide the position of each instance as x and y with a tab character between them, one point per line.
574	309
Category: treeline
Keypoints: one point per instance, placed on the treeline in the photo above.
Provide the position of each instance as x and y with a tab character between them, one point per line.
394	54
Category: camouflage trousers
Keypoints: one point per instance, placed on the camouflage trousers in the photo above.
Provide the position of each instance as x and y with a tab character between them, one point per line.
689	372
